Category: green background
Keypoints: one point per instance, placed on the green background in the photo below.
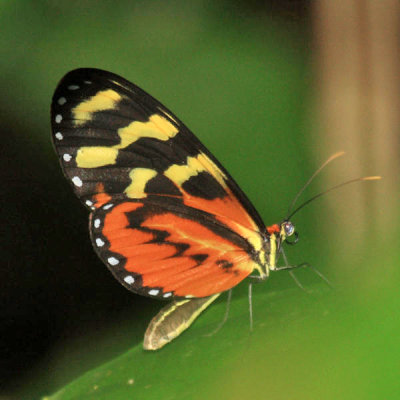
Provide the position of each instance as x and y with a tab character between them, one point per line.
239	74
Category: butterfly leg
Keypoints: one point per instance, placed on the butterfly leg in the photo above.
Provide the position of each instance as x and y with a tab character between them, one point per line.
323	277
291	267
303	265
297	282
294	277
257	278
221	324
251	306
254	279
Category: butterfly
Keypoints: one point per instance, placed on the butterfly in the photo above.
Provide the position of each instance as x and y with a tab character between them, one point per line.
166	217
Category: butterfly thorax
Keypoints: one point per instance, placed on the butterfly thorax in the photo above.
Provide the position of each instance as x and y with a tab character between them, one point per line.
274	236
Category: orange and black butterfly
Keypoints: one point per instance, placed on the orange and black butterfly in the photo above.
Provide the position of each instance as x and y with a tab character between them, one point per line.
165	216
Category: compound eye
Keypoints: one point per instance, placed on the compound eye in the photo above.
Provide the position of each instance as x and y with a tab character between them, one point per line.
289	228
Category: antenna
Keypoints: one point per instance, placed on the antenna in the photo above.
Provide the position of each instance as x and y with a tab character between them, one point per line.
329	160
364	178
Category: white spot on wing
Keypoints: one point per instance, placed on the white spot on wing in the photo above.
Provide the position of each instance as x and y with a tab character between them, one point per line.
73	87
107	206
58	118
59	136
113	261
87	82
61	101
89	203
129	279
77	181
154	292
99	242
96	222
67	157
169	294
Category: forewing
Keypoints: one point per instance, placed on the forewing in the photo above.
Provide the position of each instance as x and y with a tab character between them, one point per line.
164	249
114	139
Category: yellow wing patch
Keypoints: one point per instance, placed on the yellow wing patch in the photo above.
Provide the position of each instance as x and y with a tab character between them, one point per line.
139	178
157	127
104	100
93	157
181	173
212	169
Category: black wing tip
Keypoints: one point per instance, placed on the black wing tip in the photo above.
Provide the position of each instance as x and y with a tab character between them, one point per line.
100	78
87	71
91	73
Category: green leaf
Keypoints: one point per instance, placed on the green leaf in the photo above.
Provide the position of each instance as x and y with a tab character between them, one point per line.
194	363
323	344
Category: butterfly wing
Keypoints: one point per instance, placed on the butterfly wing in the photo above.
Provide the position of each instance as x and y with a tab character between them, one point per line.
162	248
123	149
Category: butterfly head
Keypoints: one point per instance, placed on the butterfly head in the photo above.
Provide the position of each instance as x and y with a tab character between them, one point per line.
283	231
277	234
287	229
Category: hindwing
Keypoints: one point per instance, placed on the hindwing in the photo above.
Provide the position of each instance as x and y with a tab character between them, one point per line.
162	248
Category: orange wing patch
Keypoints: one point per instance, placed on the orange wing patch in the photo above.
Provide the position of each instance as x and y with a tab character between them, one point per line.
168	253
101	197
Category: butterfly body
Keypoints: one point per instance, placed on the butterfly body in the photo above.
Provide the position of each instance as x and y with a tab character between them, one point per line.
165	217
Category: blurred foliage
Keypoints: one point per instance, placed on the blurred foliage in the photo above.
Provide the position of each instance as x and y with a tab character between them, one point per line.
241	80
